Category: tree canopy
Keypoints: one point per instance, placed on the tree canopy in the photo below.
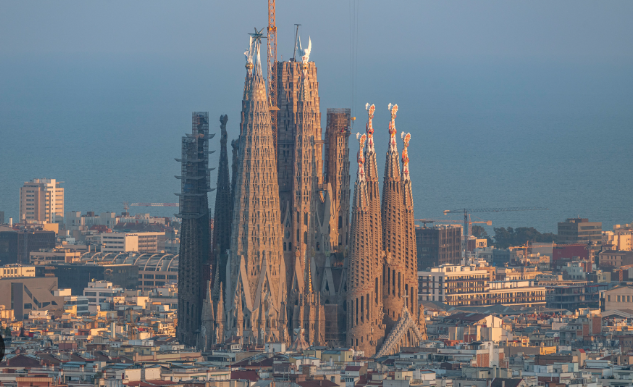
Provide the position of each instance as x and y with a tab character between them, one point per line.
506	237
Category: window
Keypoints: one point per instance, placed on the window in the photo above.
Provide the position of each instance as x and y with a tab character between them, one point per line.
149	283
618	298
28	306
150	276
90	293
160	276
609	298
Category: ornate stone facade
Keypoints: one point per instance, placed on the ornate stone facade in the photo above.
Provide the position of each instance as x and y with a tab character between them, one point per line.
256	274
298	270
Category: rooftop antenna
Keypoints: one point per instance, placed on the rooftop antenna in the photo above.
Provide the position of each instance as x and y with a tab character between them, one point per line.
294	53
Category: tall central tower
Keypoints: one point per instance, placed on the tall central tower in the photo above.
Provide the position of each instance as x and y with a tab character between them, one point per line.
256	270
299	157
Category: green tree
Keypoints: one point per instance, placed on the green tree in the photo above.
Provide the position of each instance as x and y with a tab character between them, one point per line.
506	237
480	232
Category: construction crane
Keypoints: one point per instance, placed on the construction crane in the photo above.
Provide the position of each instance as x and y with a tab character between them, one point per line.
154	204
271	40
425	221
470	222
467	212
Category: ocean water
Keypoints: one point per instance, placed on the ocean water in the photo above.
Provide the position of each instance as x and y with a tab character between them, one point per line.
558	136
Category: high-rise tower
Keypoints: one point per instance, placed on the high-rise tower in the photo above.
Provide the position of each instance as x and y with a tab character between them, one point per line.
195	233
255	270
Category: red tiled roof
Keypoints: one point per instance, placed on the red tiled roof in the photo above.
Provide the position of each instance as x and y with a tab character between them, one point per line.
316	383
247	375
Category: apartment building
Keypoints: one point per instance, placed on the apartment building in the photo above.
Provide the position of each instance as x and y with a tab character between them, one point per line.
56	255
437	245
16	271
122	242
97	292
461	285
580	230
42	200
621	238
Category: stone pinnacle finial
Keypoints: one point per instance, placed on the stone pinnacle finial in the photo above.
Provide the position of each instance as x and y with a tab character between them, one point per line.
361	157
369	127
405	155
392	126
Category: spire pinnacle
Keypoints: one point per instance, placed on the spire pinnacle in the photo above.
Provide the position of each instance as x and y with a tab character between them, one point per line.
369	128
392	127
361	157
405	156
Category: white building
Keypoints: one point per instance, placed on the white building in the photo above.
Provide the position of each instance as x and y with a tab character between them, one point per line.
42	200
76	221
470	285
122	242
98	292
75	305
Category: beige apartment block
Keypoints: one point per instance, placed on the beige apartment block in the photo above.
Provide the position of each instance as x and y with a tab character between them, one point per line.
42	200
16	271
122	242
618	298
57	255
620	239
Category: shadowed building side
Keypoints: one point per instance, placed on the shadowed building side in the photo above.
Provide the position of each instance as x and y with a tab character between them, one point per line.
193	269
223	208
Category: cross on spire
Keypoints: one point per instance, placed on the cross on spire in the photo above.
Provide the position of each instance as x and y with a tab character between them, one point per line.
257	35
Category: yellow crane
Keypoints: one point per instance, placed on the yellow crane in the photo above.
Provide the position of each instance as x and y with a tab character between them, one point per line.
467	212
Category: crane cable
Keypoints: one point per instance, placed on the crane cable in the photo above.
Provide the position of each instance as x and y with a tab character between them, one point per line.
354	6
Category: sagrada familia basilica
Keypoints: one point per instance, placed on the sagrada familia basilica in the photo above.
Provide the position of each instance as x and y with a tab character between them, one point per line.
292	259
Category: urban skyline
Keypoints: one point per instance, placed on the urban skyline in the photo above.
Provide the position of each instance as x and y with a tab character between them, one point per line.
493	247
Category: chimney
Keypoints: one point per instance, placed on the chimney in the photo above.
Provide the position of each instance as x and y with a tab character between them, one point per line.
503	383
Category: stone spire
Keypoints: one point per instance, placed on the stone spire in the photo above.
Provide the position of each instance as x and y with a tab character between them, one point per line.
373	190
393	238
220	317
411	249
363	305
303	182
223	207
256	266
208	321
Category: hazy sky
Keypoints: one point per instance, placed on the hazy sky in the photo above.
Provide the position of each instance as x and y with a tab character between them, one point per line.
497	94
389	30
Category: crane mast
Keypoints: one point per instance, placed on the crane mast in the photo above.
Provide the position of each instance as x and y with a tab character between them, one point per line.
272	70
467	212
